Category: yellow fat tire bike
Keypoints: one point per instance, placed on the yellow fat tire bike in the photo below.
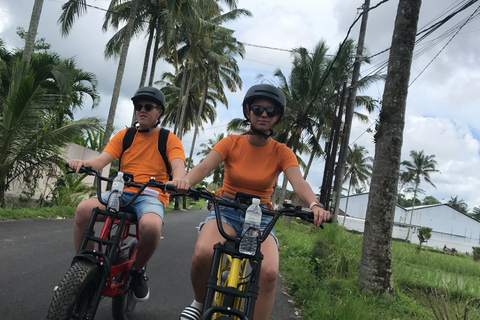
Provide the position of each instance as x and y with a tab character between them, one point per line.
232	283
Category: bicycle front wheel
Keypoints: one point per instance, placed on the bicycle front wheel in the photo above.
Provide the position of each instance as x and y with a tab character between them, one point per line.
74	296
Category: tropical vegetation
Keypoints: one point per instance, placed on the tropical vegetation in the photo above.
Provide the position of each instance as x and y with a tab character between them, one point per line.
37	100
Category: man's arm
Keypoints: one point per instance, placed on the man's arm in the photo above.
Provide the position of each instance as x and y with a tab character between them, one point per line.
99	162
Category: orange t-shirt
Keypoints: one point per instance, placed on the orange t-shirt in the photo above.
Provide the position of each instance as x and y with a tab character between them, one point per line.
252	169
143	159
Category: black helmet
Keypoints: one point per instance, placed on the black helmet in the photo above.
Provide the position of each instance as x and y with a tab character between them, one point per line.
150	93
264	91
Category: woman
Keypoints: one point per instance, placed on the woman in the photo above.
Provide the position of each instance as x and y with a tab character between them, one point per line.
252	162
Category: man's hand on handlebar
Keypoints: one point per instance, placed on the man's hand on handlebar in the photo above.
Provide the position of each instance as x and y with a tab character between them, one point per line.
181	185
320	215
75	164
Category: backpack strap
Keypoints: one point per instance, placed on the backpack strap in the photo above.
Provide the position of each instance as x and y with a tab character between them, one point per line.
127	141
162	148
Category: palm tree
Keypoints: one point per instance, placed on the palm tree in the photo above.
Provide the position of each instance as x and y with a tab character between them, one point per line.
195	50
170	86
358	169
460	205
75	89
27	139
73	8
420	167
218	172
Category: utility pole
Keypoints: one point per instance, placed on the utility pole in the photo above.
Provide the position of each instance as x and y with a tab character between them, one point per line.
342	157
331	149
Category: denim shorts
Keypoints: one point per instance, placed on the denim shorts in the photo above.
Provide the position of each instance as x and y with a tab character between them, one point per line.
143	204
234	218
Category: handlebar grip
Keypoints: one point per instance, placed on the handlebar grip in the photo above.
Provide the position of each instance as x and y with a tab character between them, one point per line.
169	187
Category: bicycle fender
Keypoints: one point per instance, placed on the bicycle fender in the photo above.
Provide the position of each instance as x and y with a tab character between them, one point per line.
86	257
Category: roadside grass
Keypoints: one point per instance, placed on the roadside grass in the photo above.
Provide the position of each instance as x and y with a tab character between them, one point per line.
320	269
37	212
69	212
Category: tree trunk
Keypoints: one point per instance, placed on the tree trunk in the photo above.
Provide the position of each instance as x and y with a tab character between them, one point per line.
119	77
183	110
32	30
284	190
200	110
146	58
180	98
375	274
154	59
312	155
411	212
346	204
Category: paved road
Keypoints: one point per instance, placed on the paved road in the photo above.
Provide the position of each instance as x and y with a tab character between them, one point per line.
36	253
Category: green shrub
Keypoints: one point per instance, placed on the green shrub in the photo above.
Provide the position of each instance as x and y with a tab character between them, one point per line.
476	253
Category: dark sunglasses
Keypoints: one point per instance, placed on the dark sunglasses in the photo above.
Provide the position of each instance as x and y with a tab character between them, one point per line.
259	110
148	107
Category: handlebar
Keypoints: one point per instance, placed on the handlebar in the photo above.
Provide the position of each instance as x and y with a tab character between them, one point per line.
129	182
291	211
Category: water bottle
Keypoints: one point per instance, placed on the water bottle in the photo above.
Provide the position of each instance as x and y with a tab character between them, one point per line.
113	203
251	228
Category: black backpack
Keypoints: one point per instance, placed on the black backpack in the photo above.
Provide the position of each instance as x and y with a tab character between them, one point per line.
162	145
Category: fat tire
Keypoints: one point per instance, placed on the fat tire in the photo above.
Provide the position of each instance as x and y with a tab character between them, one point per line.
74	295
123	305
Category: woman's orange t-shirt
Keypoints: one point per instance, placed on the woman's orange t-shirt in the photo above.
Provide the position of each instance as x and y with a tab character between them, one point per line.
250	169
143	159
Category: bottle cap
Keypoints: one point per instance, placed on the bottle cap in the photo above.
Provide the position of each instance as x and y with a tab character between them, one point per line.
256	200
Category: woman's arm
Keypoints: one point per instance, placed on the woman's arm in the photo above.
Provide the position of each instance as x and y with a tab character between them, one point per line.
200	171
305	193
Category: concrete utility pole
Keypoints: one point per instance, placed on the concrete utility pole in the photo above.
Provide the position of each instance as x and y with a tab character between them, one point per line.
331	150
342	157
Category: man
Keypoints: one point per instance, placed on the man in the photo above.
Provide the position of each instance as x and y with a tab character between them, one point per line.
143	159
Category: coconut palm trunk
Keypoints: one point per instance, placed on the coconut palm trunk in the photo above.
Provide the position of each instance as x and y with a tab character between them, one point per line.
375	272
32	30
120	71
197	123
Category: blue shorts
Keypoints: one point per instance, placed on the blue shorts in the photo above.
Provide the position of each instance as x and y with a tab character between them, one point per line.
234	218
143	204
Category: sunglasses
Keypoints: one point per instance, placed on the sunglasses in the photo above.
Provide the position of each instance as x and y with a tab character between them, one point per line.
148	107
259	110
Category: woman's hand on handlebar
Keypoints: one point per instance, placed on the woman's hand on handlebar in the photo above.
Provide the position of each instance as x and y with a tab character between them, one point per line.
320	215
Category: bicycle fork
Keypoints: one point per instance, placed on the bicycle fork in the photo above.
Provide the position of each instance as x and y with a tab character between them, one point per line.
227	297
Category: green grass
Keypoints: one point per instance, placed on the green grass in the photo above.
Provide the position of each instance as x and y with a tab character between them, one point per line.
320	269
69	212
35	212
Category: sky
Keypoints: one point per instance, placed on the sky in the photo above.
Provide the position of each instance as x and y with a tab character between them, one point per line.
441	114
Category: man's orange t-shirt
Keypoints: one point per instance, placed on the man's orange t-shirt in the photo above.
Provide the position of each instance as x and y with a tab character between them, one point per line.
252	169
143	159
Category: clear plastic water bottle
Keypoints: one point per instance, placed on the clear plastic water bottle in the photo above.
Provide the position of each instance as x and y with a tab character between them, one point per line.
251	228
113	203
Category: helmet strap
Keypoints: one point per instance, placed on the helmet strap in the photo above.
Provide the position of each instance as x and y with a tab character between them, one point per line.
254	130
144	130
